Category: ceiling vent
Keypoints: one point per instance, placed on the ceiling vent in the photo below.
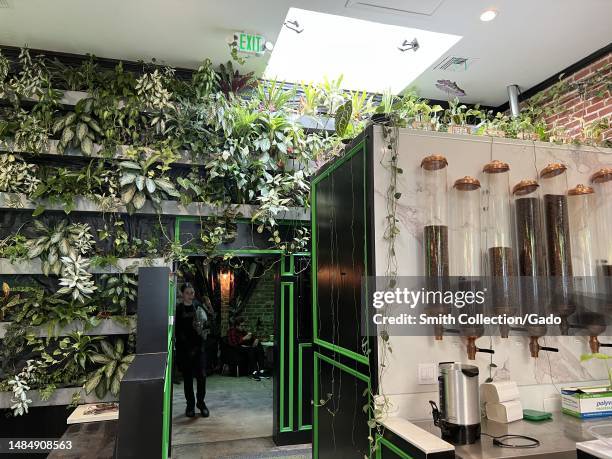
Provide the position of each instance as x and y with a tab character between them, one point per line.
5	4
403	7
455	64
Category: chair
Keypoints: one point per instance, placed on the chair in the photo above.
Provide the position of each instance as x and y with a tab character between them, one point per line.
231	357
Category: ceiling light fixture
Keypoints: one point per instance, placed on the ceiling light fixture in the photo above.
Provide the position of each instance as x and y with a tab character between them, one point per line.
410	45
488	15
294	25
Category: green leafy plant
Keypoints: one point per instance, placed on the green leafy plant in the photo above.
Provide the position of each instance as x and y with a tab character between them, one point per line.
143	178
114	363
205	80
63	185
75	280
33	76
78	128
17	176
55	242
20	385
32	134
232	82
85	77
343	118
14	247
118	290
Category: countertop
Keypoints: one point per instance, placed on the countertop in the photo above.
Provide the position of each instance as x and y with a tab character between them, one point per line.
557	437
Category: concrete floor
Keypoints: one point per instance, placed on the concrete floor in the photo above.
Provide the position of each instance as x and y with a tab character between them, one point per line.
239	426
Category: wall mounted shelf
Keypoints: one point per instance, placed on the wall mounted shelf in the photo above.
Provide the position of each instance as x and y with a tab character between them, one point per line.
106	327
61	396
18	201
32	267
185	156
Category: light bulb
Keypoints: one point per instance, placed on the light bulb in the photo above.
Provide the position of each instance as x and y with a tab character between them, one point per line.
488	15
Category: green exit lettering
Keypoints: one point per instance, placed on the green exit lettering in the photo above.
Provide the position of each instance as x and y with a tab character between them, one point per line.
252	44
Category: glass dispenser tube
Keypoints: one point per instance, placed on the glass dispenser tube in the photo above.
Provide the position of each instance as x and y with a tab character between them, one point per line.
435	231
602	184
554	184
466	251
581	208
436	215
499	241
529	223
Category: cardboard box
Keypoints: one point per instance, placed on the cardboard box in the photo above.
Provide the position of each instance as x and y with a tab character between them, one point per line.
587	402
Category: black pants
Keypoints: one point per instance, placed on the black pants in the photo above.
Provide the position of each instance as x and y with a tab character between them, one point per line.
255	356
195	367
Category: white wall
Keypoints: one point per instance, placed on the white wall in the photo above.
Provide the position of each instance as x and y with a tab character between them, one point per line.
466	156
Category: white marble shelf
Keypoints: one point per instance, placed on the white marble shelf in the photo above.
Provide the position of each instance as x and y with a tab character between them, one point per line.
416	436
106	327
24	267
61	396
19	201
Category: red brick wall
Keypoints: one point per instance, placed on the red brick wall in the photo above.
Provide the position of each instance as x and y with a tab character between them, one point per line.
570	111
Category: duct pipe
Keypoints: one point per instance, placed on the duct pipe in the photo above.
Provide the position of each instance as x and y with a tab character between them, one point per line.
513	92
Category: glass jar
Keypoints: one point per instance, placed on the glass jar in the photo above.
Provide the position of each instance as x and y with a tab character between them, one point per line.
581	209
498	240
465	246
531	249
602	184
435	205
466	253
554	184
435	232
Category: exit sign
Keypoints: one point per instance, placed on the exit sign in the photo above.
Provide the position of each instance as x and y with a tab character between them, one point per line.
250	43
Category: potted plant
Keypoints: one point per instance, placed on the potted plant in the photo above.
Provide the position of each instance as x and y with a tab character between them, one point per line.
496	126
457	114
426	116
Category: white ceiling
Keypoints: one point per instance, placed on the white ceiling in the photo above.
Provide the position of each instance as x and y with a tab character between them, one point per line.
529	41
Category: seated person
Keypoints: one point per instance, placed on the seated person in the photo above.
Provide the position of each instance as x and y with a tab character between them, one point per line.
238	337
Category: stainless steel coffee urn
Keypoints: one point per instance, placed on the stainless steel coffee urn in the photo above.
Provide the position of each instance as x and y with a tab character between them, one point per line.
459	414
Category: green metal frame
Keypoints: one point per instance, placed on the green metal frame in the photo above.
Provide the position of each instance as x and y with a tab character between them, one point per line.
381	441
315	414
291	270
166	422
283	346
360	147
284	271
301	425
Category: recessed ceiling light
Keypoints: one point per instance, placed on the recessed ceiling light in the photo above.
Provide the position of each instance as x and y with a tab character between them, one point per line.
366	53
488	15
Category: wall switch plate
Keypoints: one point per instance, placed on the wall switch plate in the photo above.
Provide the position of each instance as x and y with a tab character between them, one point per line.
427	373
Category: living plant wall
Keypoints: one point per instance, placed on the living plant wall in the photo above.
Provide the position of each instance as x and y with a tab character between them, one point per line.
96	163
95	167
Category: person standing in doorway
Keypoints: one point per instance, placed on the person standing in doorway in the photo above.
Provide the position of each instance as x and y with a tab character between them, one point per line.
191	333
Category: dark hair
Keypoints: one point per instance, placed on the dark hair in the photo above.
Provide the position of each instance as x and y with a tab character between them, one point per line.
185	286
239	320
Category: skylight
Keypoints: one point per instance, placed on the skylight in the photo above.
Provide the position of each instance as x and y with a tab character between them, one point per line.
314	45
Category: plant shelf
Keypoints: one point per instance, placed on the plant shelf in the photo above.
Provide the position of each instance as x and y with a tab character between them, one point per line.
24	267
19	201
185	156
61	396
106	327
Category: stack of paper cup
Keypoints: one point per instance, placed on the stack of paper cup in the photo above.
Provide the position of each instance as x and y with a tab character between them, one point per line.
502	401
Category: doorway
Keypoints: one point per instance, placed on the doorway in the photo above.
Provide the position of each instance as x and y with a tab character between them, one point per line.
245	411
